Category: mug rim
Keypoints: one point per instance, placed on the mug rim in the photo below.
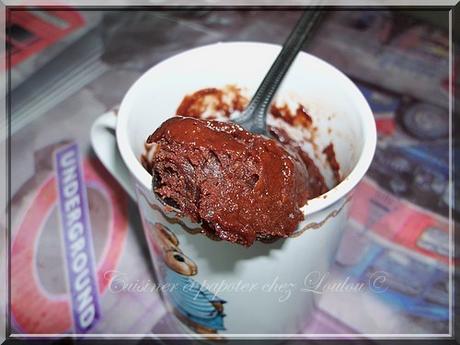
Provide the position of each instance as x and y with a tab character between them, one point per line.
314	205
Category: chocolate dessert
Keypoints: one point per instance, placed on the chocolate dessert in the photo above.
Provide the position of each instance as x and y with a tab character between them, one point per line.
240	186
222	103
213	103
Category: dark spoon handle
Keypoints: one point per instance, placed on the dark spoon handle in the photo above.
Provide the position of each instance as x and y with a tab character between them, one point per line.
254	116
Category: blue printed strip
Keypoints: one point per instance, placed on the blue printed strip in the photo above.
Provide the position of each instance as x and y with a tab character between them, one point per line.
78	246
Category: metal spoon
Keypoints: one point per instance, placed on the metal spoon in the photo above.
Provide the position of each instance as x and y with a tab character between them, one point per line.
254	117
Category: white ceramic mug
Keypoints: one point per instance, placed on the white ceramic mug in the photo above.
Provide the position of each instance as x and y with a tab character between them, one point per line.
215	286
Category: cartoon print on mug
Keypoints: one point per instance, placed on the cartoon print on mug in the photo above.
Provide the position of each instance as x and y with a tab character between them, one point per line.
195	306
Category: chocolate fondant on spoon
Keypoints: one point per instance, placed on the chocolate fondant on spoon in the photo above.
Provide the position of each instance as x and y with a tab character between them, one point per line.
232	177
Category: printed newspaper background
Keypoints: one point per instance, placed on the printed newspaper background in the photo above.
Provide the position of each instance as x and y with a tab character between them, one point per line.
399	220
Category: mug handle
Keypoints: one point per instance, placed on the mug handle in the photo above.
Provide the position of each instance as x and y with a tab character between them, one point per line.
104	144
